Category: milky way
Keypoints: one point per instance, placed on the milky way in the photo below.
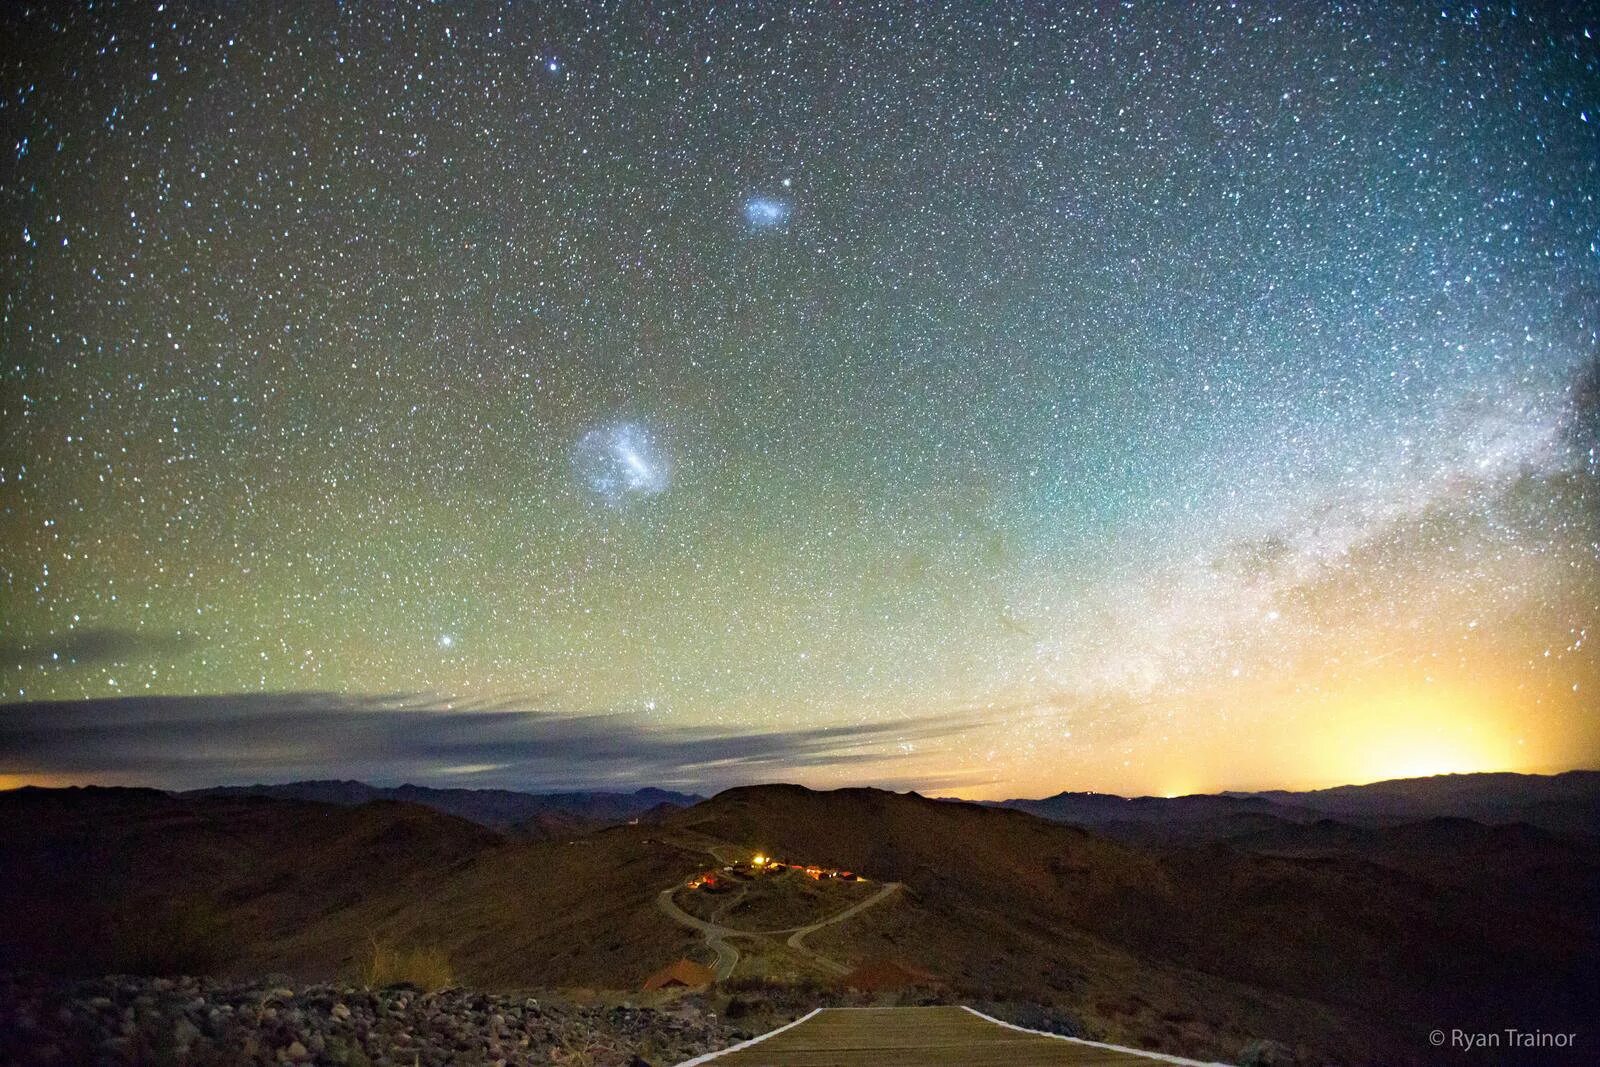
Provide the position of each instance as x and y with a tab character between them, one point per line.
1163	397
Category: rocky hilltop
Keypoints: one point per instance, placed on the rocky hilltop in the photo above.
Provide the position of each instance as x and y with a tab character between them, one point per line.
189	1022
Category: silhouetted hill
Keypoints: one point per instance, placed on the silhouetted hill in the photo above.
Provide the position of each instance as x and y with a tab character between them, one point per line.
1567	803
1546	872
1199	949
1563	803
1194	819
1091	808
100	880
535	815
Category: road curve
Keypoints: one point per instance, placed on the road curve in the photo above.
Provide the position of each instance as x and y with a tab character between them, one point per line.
716	934
727	955
797	939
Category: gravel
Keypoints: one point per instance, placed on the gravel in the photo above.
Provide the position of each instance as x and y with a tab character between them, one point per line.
200	1022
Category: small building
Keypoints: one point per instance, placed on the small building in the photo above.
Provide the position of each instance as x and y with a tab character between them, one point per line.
706	880
684	974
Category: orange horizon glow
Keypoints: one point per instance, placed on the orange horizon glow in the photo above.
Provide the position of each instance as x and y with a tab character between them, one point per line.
9	782
1312	725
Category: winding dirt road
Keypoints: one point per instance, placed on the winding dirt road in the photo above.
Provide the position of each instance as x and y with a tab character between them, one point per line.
727	955
717	935
796	939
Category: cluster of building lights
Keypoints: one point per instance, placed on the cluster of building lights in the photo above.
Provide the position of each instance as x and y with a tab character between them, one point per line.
761	863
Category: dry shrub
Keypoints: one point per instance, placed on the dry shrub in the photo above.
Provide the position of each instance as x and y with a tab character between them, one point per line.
425	967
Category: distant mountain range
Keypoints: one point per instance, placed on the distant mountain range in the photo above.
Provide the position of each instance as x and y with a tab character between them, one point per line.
535	816
1567	803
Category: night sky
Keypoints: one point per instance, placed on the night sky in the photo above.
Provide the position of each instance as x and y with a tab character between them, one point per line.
986	400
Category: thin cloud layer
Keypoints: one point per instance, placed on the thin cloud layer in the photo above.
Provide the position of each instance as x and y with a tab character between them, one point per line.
190	741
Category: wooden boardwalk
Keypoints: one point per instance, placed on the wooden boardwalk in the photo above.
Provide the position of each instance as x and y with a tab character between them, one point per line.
919	1037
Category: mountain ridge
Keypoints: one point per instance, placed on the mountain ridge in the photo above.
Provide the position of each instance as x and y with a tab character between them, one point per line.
1566	803
531	815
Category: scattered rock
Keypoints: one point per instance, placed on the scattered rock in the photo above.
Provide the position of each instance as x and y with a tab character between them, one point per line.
184	1033
121	1021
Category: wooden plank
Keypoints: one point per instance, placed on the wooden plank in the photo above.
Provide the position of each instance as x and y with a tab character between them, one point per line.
918	1037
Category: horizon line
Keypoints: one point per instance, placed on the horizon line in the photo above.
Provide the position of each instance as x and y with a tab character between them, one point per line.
10	785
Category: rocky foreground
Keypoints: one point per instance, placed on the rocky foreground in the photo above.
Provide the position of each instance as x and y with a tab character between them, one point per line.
197	1022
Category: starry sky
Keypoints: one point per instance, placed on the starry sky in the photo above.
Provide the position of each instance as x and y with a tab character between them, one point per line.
983	399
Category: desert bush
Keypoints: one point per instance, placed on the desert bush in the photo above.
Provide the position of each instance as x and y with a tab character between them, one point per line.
426	967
